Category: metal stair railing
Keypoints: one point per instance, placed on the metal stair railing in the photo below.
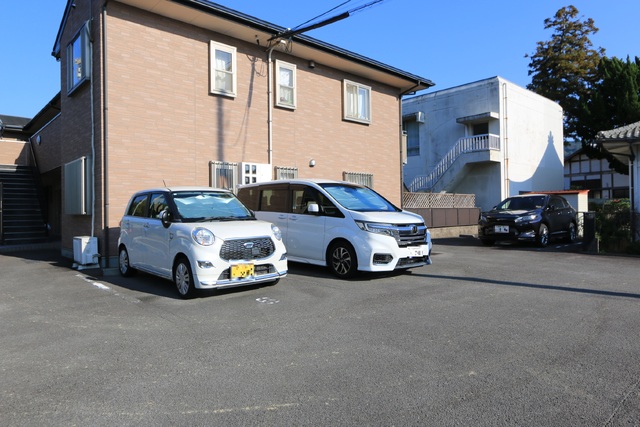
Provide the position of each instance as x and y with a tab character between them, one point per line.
462	146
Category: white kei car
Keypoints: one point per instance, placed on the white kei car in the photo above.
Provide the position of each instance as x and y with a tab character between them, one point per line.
199	237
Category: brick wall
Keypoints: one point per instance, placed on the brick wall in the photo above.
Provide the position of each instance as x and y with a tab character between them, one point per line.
164	127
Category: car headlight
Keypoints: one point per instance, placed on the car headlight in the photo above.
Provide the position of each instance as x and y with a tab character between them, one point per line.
529	218
203	237
276	232
379	228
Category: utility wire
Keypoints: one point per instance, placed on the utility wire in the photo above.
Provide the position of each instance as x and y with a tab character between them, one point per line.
348	12
322	14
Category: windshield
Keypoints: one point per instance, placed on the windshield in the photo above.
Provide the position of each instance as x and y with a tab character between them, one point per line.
195	206
521	204
360	199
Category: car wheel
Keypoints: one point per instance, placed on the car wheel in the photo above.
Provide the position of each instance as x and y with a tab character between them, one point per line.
342	260
123	263
571	233
543	235
183	278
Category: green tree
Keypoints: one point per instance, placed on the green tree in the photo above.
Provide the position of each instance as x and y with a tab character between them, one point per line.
564	68
612	101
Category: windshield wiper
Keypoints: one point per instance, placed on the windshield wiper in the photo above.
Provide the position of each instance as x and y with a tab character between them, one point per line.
221	218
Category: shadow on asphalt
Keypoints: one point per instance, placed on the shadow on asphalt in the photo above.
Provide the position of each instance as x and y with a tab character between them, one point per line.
157	287
553	246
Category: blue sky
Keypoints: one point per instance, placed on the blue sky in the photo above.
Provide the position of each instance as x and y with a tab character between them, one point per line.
448	42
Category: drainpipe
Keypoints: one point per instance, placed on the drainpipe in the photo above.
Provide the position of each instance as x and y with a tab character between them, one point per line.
105	138
505	139
270	102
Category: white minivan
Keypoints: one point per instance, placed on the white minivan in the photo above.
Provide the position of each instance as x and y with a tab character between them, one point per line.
345	226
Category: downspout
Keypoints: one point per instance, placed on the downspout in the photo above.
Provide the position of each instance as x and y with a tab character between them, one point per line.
505	139
105	138
270	107
93	138
270	101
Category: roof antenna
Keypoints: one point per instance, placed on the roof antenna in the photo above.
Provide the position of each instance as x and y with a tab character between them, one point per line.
164	183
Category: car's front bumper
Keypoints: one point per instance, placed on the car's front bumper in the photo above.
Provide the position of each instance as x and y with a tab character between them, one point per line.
381	253
513	232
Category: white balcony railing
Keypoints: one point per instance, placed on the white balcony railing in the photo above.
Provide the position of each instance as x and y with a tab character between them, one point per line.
463	146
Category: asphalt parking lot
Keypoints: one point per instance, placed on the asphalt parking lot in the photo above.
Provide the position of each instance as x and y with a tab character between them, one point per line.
504	335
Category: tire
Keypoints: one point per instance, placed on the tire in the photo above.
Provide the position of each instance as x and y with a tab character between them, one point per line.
342	260
183	278
543	236
123	263
571	233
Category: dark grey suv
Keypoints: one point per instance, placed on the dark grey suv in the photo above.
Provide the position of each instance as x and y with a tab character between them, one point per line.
529	217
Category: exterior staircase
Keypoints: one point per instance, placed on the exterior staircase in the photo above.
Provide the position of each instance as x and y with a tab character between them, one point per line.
21	216
475	144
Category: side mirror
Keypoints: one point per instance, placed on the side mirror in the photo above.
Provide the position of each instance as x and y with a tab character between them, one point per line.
313	208
165	218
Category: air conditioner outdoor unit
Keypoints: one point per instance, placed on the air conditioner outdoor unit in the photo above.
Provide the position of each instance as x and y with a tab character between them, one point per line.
85	250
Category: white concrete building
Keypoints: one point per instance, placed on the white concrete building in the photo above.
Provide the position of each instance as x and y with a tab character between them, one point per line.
490	138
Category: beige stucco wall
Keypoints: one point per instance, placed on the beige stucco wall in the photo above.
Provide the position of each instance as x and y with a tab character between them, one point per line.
13	152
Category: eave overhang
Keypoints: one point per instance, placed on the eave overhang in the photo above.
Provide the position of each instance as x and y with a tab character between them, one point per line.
620	141
220	19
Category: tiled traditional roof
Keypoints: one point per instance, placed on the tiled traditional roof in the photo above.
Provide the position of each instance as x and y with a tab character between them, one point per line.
629	133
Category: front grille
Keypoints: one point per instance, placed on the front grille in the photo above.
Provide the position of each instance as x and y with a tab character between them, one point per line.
257	248
411	234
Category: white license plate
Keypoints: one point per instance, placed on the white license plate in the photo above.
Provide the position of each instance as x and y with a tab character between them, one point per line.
241	271
416	252
501	229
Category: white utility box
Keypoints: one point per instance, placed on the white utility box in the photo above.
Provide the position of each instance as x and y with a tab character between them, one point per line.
85	250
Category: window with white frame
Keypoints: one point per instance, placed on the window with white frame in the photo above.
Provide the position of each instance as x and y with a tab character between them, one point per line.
361	178
223	175
283	172
286	84
357	102
223	69
78	59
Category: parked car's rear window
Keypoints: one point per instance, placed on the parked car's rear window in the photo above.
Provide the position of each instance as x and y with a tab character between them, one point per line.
138	206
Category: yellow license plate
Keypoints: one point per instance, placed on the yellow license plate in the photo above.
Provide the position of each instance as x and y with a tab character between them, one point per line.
239	271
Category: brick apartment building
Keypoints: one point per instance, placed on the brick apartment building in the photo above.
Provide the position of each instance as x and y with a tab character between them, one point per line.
187	92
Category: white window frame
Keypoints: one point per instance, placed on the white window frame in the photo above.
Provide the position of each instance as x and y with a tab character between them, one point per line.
223	175
361	110
283	172
219	47
362	178
280	85
78	60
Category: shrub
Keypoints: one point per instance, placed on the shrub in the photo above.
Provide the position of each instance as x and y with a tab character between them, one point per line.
613	225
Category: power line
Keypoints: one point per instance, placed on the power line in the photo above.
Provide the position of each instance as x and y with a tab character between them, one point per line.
298	30
322	14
